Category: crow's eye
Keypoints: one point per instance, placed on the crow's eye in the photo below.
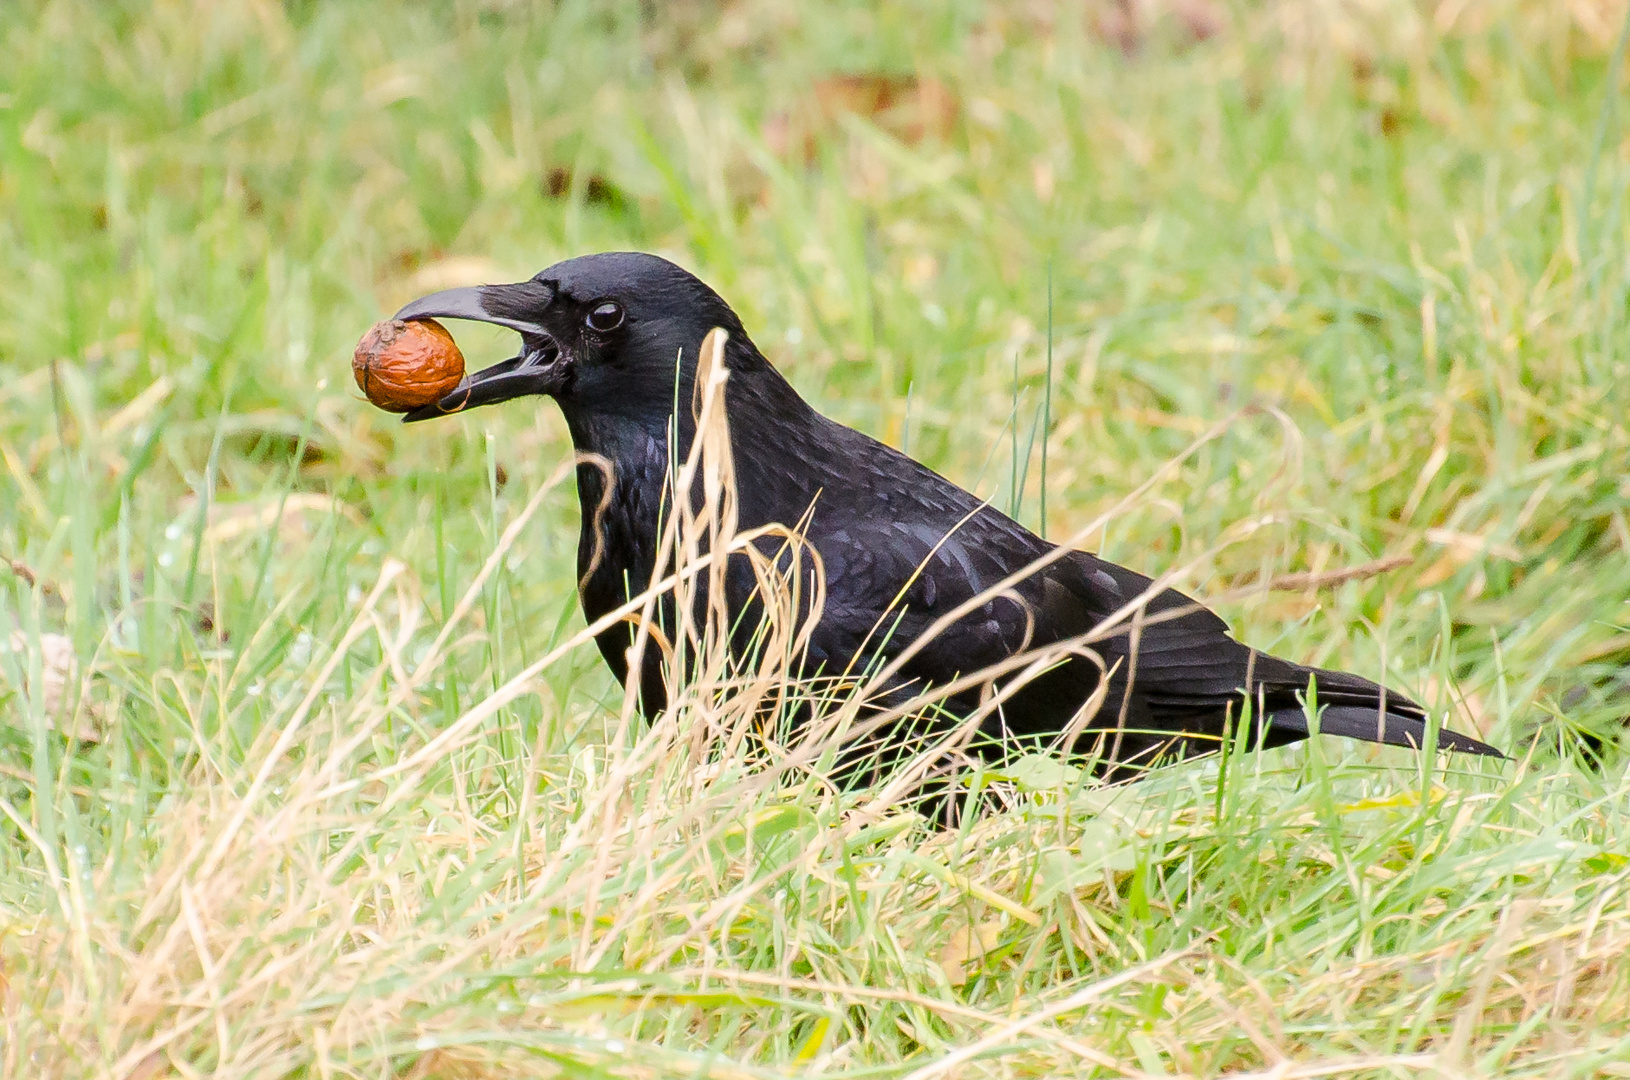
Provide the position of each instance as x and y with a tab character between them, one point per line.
607	315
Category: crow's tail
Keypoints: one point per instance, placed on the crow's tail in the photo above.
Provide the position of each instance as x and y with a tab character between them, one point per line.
1353	706
1372	725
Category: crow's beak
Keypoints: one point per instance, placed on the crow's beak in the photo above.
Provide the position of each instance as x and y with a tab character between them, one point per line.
538	370
503	305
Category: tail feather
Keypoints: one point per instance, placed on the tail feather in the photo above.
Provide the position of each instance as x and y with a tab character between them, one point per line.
1372	725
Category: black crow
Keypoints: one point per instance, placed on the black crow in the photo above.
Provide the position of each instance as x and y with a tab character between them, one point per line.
901	546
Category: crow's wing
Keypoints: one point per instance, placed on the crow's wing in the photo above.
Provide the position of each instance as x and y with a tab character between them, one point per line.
902	547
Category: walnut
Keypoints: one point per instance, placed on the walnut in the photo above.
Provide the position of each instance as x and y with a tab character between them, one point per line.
402	366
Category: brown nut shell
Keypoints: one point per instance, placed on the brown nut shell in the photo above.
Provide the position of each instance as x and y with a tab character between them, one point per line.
402	366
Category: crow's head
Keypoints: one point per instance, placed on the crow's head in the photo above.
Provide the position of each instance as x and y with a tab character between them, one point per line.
600	333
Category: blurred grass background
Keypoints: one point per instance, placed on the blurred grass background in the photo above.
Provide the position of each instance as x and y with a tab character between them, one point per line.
1391	232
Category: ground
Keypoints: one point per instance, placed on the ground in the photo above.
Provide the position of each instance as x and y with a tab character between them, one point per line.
306	769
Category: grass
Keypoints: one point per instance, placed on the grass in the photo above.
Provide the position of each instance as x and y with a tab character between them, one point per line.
341	813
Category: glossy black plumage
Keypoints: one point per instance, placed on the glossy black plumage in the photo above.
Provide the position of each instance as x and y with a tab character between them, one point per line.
885	527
